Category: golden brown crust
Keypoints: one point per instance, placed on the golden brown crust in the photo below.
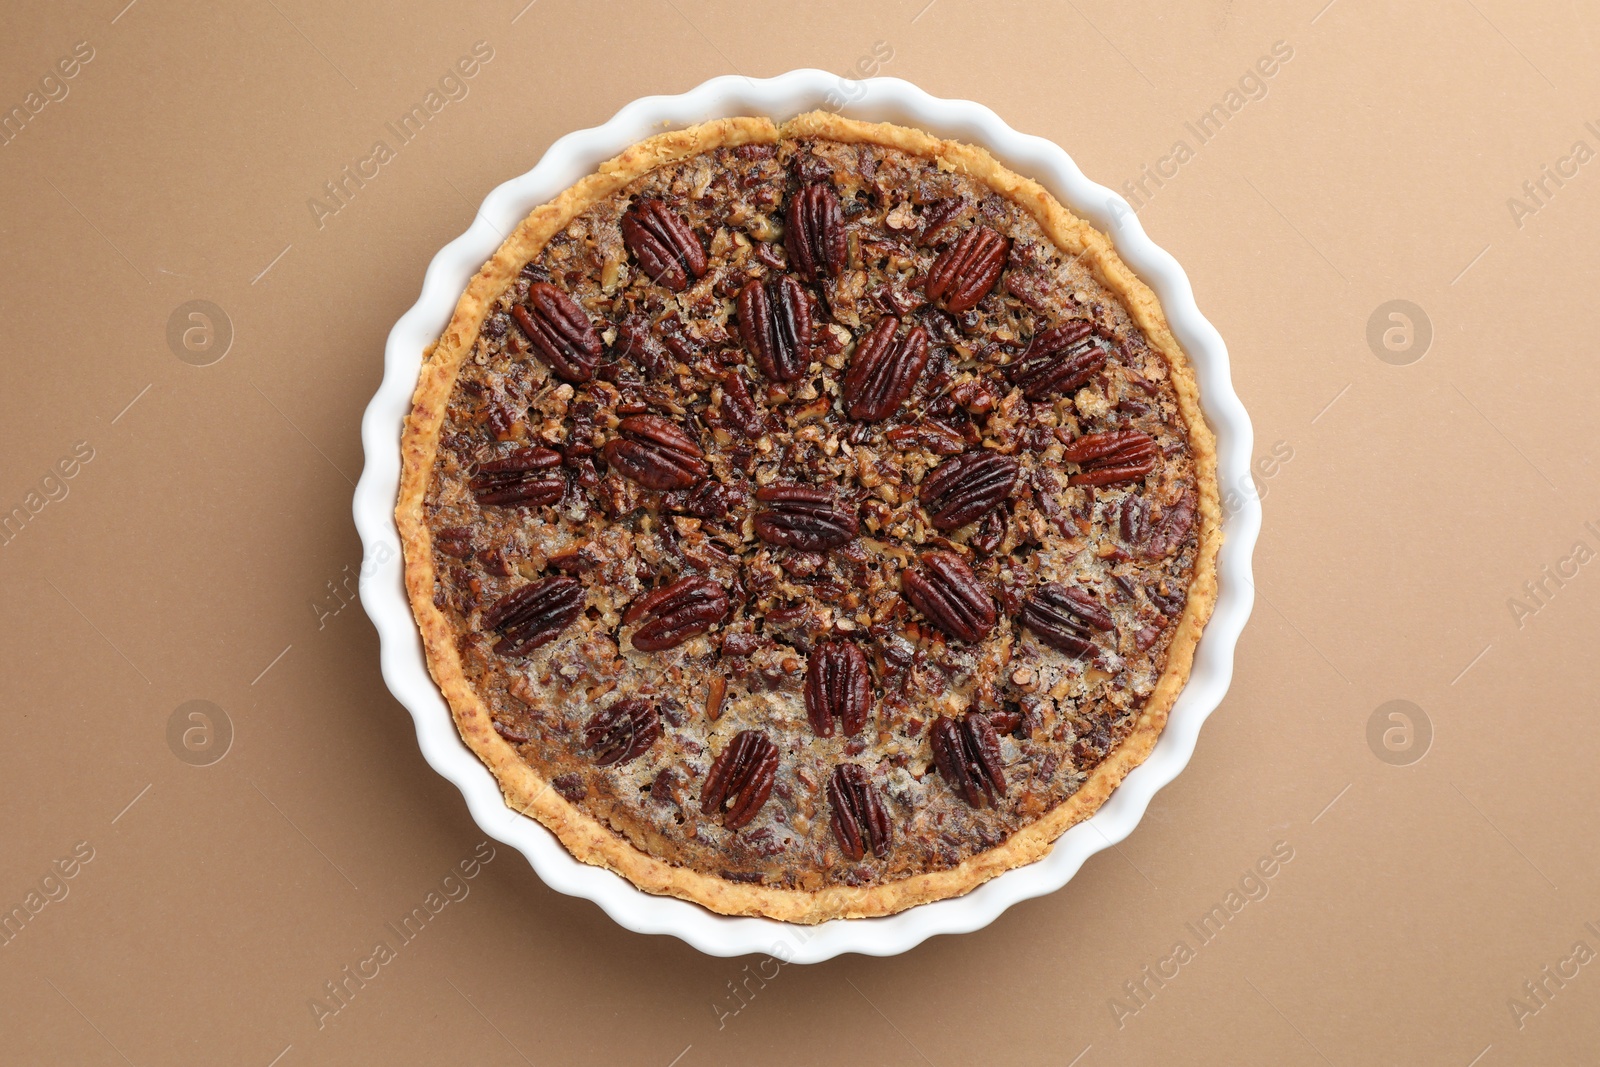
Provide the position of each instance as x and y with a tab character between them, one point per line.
587	838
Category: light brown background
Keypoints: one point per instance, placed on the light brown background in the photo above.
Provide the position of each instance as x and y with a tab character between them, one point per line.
192	549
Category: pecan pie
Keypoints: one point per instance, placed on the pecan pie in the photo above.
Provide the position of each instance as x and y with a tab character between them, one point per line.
808	520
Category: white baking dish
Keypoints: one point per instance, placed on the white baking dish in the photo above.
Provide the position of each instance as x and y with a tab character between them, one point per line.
578	154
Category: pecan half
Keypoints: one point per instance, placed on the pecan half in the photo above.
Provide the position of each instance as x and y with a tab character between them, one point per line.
813	232
622	732
966	271
1133	520
686	608
739	408
664	244
1111	457
950	595
1058	360
741	779
967	754
657	453
1164	537
935	436
560	331
454	541
775	322
1062	618
803	517
967	487
576	561
859	819
838	686
518	478
884	370
534	615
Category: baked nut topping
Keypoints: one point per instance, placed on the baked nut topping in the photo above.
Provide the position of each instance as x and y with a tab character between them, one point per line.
860	821
560	331
950	595
967	487
741	779
1111	458
814	233
966	271
775	322
803	517
534	615
666	248
739	409
686	608
967	752
624	731
1059	360
792	519
656	453
838	687
884	370
520	478
1063	618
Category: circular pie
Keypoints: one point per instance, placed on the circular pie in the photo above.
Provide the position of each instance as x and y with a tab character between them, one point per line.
808	520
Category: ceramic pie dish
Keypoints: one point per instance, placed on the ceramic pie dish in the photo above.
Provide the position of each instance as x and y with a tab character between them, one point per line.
807	517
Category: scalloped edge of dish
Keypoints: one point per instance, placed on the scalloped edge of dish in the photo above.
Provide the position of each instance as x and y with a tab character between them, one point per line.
401	655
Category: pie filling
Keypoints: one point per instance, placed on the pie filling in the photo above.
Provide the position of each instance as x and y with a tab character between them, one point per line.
806	516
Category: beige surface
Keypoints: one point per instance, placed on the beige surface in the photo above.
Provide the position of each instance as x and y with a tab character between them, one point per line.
193	547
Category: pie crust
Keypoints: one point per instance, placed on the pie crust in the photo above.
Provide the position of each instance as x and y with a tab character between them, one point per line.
591	839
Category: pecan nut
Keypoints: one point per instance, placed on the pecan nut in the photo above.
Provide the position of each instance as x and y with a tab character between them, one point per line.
519	478
991	532
838	686
803	517
1111	457
739	409
710	500
635	341
967	754
741	779
860	820
884	370
561	332
775	322
967	487
1167	600
950	595
1133	520
813	232
657	453
534	615
454	541
1063	618
935	436
966	271
623	732
1058	360
938	215
1163	537
664	244
675	613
